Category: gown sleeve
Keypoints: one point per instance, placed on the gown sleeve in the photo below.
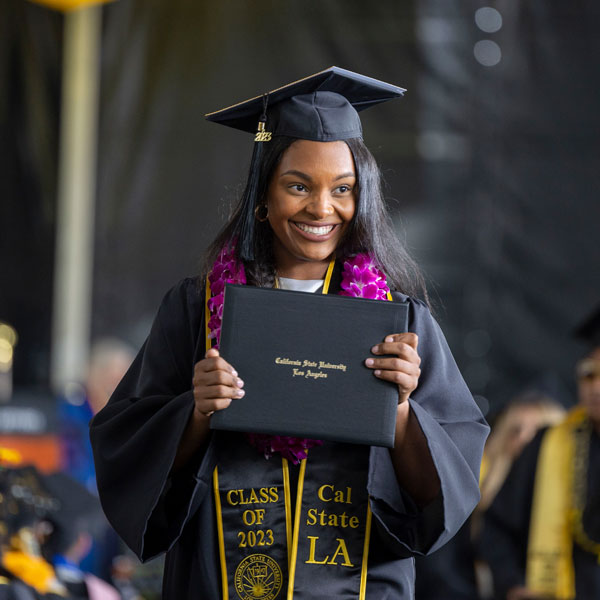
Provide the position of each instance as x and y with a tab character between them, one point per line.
136	435
455	431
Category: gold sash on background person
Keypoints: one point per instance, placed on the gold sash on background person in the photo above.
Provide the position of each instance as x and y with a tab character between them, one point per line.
550	571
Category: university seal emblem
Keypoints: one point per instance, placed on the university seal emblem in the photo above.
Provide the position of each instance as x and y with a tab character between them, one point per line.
258	577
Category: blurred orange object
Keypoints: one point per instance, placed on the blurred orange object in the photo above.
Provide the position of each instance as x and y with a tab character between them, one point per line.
9	456
67	5
43	451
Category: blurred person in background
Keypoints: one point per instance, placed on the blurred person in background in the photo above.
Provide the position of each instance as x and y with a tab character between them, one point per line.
109	360
70	538
47	522
512	430
541	533
455	572
25	504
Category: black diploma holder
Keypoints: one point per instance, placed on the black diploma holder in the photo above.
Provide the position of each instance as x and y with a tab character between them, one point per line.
301	357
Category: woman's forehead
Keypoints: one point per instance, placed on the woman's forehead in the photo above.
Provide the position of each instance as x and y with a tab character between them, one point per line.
328	156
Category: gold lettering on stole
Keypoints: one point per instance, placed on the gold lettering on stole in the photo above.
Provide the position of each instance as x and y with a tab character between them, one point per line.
311	554
341	549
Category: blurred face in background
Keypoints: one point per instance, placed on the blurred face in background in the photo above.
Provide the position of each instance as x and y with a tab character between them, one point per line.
588	381
524	425
108	365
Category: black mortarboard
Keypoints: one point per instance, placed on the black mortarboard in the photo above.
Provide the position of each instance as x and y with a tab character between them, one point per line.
322	107
588	331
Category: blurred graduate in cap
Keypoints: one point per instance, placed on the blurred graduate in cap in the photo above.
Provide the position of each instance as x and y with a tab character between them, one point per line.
73	528
541	534
47	522
260	516
25	504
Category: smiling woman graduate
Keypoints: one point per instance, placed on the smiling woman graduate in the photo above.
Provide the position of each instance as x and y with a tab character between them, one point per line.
221	504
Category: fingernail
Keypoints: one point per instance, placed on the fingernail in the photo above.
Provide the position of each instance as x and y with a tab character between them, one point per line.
239	393
234	372
239	383
375	349
377	372
369	362
389	339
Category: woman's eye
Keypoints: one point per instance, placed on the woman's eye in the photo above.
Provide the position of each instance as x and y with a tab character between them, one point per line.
343	189
298	187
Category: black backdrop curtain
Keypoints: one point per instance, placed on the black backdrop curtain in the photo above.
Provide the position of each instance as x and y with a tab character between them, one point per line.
30	59
514	243
491	170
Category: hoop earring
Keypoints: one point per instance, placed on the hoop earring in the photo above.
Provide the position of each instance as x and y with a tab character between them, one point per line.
257	213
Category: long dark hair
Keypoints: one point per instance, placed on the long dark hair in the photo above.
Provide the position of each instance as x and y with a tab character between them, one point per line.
370	230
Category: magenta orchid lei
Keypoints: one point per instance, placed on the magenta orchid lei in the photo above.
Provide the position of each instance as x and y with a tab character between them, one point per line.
361	278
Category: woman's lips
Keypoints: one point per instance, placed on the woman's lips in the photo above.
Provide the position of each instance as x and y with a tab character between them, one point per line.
315	232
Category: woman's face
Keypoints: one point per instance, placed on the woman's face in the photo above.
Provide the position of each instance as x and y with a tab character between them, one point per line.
311	200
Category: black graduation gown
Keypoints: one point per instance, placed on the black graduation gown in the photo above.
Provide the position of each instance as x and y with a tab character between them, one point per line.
503	542
449	573
135	439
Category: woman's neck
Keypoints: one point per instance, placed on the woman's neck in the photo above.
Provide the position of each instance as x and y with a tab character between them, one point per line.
303	270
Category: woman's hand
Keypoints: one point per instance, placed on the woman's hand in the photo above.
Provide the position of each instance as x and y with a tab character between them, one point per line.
403	368
216	384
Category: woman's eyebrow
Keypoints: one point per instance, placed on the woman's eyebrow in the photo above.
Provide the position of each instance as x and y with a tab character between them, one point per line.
297	174
307	177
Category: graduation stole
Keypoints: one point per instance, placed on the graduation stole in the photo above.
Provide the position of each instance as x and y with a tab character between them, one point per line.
555	510
265	551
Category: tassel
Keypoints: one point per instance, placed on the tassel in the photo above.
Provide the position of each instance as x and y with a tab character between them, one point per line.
245	233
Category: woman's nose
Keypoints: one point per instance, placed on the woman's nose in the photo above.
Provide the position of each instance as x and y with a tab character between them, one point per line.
320	205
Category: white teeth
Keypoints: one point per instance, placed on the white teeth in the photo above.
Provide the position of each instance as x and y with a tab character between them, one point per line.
315	230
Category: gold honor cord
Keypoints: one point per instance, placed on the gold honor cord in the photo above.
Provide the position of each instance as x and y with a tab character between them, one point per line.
365	560
224	579
288	507
292	569
328	276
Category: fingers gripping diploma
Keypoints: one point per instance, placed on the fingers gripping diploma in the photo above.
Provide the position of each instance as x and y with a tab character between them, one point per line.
402	367
216	384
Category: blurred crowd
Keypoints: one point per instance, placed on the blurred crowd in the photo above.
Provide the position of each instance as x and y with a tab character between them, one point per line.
54	539
536	532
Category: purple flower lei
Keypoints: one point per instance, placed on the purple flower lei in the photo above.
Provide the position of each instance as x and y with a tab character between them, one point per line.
361	278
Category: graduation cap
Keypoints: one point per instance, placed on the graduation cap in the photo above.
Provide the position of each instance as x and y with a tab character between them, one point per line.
322	107
24	499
